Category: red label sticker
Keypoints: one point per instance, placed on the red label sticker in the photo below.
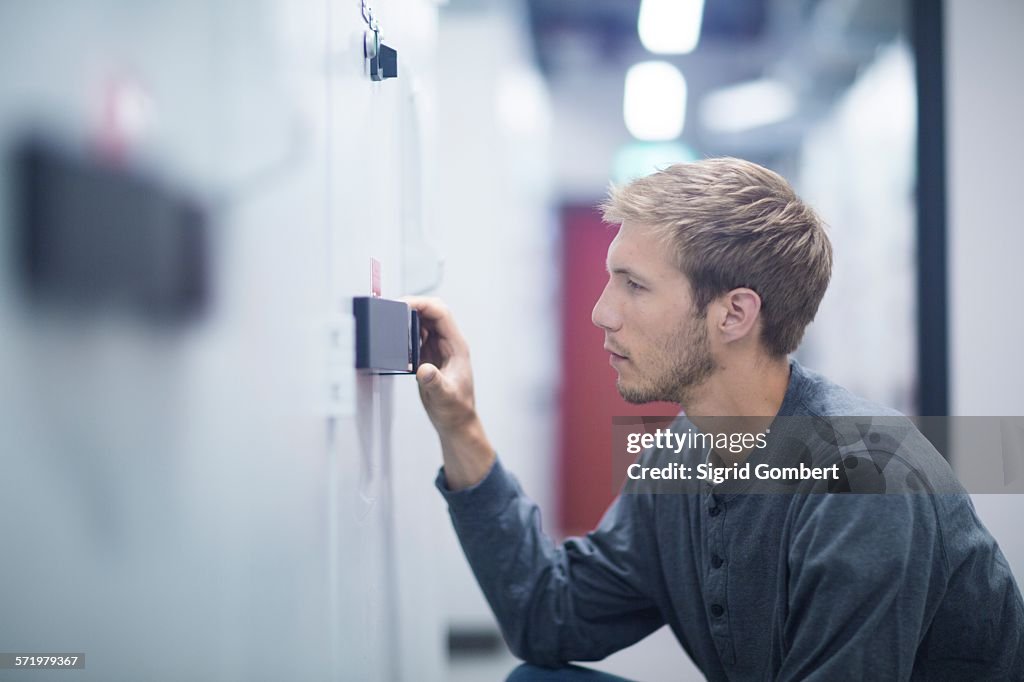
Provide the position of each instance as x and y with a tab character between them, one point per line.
375	278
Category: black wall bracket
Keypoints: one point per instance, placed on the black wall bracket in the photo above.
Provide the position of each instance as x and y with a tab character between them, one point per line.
381	60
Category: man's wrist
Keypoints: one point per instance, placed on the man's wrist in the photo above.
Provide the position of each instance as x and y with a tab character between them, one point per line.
468	455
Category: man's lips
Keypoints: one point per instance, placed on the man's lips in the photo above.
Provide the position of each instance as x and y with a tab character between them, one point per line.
614	354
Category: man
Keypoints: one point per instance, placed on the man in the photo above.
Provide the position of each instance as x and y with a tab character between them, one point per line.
715	272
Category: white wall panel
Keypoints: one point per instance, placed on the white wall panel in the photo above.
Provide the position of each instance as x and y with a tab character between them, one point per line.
181	506
986	230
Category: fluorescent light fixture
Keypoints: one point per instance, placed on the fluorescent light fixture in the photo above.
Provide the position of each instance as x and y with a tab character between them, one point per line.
748	105
654	101
670	26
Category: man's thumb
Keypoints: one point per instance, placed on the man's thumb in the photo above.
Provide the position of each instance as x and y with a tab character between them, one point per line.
428	376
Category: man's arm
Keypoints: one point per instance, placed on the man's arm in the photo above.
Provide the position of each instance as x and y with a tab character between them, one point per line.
865	574
579	601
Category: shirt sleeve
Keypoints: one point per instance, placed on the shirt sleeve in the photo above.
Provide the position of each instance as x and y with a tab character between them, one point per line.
578	601
865	574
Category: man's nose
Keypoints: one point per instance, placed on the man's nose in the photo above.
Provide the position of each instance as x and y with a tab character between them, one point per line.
603	315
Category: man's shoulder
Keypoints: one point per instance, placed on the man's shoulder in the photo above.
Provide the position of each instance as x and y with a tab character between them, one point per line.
840	427
819	396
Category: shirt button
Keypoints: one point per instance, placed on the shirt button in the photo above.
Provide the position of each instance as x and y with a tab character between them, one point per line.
716	561
715	511
717	610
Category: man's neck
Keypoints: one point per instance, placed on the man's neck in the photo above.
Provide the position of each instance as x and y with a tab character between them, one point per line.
742	387
742	397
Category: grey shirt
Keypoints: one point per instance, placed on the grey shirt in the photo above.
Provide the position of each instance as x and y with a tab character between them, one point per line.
755	587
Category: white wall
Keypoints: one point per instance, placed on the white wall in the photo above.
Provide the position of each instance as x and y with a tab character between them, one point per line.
857	171
498	239
986	230
176	503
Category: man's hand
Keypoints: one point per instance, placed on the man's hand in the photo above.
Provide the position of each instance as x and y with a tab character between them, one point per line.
445	379
445	376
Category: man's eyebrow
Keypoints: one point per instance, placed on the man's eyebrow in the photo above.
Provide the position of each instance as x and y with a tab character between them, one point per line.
620	270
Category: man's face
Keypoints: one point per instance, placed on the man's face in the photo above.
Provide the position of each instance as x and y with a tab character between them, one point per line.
657	342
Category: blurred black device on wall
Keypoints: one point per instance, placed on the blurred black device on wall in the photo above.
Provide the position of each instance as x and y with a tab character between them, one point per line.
93	235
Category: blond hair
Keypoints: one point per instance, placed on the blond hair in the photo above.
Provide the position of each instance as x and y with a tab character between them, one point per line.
733	223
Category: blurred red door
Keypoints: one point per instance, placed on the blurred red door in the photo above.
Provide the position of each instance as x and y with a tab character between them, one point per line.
589	398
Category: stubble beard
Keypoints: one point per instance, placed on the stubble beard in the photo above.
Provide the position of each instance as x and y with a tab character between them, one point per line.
694	365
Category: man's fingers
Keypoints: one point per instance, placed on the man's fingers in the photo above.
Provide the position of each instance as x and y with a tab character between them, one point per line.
434	315
429	307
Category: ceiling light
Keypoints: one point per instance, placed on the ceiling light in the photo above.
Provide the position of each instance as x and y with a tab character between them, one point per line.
654	101
670	26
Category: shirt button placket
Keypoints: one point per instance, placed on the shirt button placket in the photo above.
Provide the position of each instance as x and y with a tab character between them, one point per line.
716	579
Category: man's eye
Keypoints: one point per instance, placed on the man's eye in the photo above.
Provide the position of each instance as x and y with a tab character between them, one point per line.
633	285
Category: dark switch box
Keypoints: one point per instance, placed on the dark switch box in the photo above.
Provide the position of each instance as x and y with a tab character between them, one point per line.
387	336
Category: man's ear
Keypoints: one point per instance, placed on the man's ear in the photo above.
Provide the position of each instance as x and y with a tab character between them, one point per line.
739	311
